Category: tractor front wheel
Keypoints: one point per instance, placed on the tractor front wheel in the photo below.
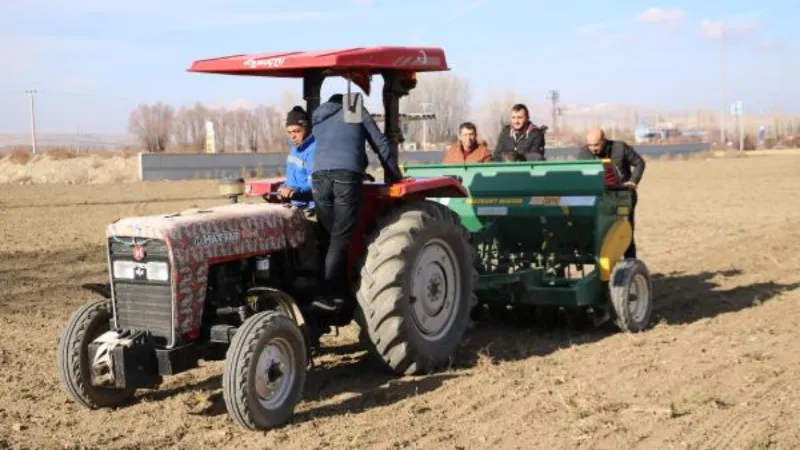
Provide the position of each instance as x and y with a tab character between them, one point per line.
416	288
265	371
84	326
631	295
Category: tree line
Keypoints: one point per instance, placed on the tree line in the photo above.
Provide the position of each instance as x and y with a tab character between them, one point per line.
161	127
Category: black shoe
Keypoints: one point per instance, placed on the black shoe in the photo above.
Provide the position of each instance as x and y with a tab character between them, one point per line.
327	304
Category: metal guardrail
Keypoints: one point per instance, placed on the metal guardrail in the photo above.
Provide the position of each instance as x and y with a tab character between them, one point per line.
174	166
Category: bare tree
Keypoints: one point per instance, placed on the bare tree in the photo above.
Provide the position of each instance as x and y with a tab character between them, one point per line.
196	118
444	94
271	134
152	125
180	129
241	127
289	99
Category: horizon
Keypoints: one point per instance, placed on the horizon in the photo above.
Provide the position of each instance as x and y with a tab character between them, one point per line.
92	63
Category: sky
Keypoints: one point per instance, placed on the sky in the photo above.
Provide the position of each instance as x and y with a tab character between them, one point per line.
93	61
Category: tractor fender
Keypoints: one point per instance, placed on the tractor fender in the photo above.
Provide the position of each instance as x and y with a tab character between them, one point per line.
438	186
102	289
283	303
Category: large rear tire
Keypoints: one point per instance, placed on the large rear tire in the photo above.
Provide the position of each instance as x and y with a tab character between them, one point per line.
265	371
84	326
416	289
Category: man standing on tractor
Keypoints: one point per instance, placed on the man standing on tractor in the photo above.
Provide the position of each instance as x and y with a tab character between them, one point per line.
337	179
467	150
623	156
300	159
522	136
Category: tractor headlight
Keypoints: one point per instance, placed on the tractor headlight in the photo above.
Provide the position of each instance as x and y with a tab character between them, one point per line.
123	269
131	270
157	271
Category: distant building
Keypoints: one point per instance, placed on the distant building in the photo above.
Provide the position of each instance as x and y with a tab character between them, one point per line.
643	134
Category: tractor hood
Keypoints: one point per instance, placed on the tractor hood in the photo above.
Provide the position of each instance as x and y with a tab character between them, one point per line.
217	232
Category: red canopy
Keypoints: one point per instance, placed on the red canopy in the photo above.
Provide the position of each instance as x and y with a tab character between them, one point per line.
356	64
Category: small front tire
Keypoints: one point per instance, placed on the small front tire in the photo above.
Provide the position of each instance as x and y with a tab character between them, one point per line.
265	371
84	326
631	295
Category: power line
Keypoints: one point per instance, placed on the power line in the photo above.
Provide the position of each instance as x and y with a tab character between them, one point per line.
32	93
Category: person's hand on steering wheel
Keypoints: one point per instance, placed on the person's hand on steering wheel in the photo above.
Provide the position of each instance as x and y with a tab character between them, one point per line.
285	192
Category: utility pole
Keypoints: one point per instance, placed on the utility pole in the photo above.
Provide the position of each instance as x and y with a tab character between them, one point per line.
722	88
78	139
736	111
739	118
554	98
32	93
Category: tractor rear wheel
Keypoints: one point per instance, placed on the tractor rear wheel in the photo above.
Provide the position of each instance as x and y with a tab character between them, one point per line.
631	295
416	289
265	371
85	325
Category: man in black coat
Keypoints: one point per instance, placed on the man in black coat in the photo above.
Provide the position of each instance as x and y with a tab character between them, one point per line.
522	137
629	163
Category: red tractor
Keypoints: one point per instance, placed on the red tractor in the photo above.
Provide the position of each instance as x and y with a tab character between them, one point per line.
231	282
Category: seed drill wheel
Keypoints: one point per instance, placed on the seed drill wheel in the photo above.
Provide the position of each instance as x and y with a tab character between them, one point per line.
416	290
84	326
265	371
631	293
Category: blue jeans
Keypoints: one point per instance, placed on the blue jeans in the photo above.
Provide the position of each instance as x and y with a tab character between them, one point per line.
338	195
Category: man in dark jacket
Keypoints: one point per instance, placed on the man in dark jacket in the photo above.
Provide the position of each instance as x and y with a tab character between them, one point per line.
629	163
521	136
340	164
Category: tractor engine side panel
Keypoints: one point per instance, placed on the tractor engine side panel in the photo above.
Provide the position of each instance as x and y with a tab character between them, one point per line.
194	248
197	241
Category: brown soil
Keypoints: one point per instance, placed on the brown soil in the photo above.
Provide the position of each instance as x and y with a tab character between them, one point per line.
718	370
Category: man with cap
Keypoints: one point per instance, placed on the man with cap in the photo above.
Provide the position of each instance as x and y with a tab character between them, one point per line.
340	165
623	156
297	187
302	146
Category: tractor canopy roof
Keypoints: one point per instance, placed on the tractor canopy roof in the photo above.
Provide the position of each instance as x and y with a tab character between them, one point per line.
356	64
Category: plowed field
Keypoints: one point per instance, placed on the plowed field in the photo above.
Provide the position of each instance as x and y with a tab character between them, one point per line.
719	369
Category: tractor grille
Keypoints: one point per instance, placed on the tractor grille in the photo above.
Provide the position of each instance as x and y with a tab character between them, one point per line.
144	307
142	304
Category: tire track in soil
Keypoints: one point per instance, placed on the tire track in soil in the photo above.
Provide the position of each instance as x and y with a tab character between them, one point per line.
727	426
732	426
483	404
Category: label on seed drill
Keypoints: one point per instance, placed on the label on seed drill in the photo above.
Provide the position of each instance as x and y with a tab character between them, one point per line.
494	201
492	211
574	200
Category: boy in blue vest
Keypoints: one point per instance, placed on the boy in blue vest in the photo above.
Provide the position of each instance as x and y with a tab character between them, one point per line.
302	146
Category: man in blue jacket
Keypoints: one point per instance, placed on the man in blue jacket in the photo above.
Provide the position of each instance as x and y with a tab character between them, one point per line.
340	164
300	160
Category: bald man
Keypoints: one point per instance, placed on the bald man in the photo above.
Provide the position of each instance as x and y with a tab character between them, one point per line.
629	163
